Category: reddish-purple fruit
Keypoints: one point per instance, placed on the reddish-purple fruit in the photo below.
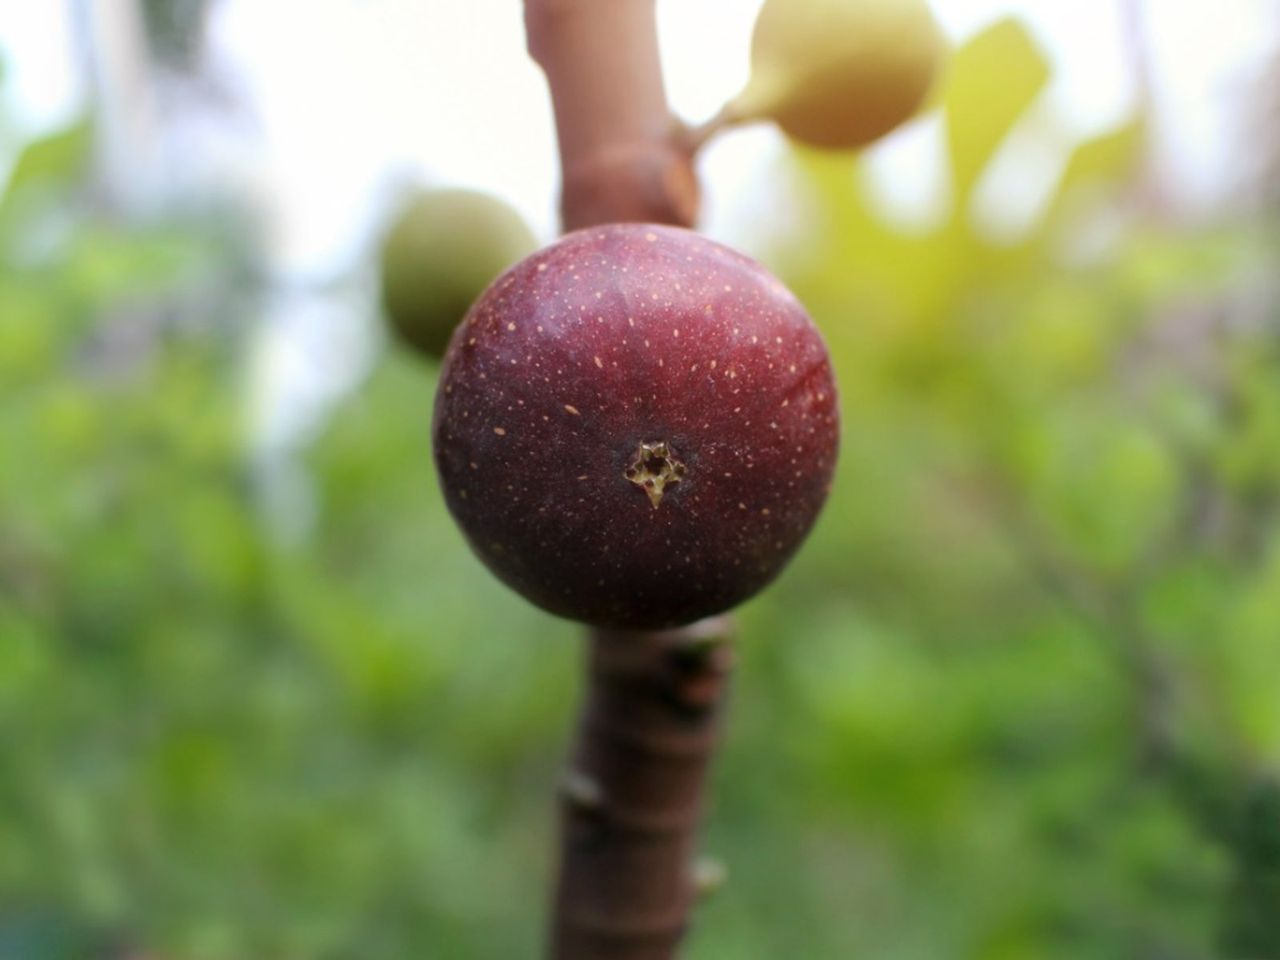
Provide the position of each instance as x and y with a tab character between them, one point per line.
636	427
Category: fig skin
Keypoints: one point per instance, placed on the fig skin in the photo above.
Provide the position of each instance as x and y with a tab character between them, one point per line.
439	253
621	354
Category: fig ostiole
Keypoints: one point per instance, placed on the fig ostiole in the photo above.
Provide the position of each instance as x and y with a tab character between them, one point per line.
636	427
839	74
442	248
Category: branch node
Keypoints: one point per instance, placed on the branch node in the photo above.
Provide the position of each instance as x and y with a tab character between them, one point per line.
643	182
581	790
709	877
700	642
701	657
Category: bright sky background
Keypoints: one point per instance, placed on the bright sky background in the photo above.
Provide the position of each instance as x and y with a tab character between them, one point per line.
327	108
369	94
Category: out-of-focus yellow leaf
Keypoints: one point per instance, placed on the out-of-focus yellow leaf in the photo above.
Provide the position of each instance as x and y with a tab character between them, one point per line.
855	256
852	255
1105	160
991	81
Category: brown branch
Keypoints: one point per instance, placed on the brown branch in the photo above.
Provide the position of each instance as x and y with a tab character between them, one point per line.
633	796
623	155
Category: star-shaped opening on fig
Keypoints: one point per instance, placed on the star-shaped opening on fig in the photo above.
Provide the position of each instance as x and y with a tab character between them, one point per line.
655	468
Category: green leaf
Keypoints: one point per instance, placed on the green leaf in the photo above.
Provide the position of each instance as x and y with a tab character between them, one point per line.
60	157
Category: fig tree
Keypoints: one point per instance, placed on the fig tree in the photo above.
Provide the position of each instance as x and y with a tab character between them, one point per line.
636	427
440	252
839	74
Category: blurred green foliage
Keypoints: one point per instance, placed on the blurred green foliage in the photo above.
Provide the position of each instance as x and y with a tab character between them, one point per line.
1017	698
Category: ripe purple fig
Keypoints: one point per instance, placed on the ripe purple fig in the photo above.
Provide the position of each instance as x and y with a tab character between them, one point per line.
636	427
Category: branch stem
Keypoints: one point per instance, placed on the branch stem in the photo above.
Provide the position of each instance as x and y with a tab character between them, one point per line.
633	796
632	800
622	156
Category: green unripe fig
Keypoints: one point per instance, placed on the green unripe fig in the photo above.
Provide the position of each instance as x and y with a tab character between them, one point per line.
440	253
839	74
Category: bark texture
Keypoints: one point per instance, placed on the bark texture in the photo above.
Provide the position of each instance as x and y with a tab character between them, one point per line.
632	797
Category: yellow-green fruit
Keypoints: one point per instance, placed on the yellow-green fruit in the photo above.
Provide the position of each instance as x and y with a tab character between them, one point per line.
838	74
440	253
